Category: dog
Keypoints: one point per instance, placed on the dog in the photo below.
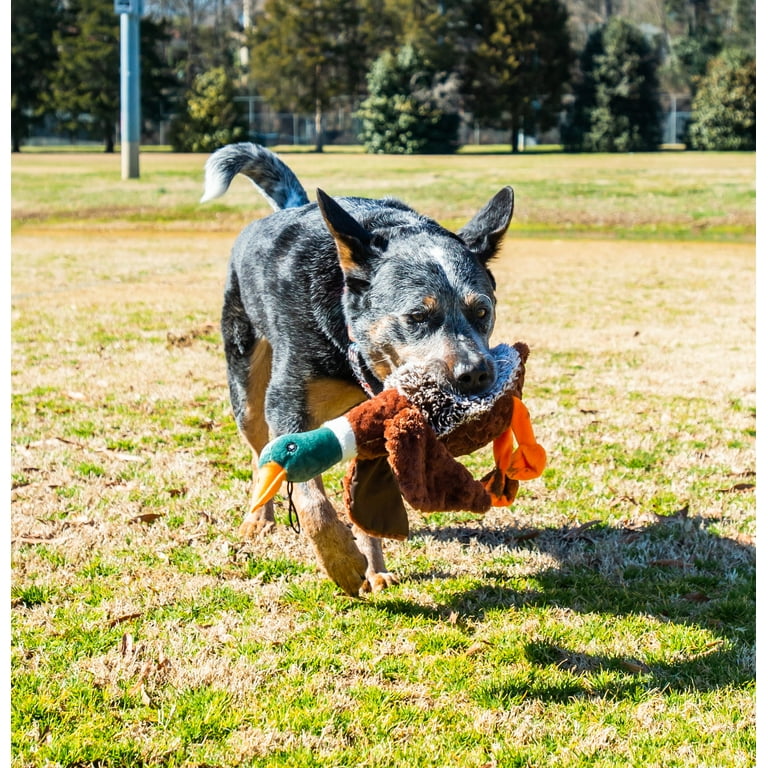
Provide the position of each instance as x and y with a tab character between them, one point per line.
323	300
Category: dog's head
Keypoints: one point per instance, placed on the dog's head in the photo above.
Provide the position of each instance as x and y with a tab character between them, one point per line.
415	291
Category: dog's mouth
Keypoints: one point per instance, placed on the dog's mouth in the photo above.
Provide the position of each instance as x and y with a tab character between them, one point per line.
430	386
437	371
468	376
456	380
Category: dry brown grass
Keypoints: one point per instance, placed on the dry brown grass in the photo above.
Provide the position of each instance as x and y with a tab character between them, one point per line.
130	478
620	326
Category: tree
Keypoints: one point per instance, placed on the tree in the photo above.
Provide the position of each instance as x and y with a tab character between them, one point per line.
85	86
33	57
616	107
209	118
519	65
410	109
440	31
203	35
724	109
304	53
697	31
159	87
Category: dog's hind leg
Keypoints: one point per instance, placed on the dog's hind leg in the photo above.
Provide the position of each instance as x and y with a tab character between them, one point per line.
256	432
377	575
249	362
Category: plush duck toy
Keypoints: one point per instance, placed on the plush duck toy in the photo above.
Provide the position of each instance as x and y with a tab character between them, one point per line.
403	442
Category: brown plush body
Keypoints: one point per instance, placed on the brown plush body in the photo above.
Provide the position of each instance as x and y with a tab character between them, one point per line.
407	438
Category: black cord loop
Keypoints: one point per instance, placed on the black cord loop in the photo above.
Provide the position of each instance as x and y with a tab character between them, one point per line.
293	515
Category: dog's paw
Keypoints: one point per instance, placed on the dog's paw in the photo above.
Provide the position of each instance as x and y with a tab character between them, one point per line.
340	558
251	529
259	522
377	582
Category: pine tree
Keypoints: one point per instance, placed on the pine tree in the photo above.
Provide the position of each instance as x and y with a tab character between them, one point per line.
85	86
616	107
724	111
85	83
698	31
159	87
33	57
519	66
410	109
209	118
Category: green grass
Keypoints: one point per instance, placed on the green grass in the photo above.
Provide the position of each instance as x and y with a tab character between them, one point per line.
664	195
606	619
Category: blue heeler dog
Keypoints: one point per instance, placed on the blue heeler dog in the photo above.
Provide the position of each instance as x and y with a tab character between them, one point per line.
323	300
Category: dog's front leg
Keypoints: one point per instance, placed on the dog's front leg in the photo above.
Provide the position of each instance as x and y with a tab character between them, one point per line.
377	575
332	540
260	520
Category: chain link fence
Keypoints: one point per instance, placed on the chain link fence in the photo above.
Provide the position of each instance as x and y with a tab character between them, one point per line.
341	127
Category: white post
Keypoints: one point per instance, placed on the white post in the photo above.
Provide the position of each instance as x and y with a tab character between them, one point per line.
130	86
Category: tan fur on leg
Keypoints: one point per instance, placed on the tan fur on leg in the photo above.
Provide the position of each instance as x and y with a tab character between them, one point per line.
256	432
377	575
332	540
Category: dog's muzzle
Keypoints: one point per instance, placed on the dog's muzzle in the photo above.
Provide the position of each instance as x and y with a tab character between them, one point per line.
474	378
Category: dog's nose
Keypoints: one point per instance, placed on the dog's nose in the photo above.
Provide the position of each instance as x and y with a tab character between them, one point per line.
473	379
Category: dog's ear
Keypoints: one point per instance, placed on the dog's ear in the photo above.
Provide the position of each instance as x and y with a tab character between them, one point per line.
484	233
353	241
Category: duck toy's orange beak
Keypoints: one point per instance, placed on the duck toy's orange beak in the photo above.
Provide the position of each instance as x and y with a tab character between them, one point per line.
271	476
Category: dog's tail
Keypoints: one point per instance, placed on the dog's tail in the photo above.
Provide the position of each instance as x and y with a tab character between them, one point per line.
269	174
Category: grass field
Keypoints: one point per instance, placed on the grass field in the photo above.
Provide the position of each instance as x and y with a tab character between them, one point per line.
669	195
606	619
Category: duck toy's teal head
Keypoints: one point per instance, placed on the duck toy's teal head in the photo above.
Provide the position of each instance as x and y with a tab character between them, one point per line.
298	457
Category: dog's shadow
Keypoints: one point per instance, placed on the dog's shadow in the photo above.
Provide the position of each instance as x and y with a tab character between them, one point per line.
672	570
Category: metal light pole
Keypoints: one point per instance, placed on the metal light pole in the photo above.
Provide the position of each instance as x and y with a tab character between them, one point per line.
130	88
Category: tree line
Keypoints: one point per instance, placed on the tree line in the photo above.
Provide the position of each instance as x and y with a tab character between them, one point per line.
593	68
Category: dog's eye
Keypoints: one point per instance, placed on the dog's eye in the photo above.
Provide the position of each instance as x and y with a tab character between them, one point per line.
480	313
418	317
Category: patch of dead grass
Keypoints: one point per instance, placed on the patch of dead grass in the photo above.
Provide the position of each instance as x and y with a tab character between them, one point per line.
125	459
